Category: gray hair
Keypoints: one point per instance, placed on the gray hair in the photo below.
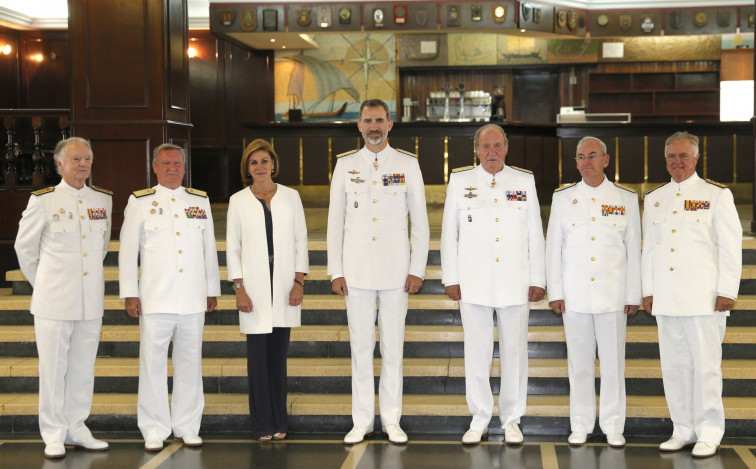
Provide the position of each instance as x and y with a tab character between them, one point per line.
60	150
591	139
486	127
166	147
682	135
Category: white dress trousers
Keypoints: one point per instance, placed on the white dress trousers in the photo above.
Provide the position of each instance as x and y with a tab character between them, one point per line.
690	348
156	420
584	332
67	352
361	314
477	322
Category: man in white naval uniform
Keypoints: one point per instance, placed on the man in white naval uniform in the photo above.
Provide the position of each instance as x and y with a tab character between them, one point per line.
169	228
369	257
593	249
691	266
61	243
492	261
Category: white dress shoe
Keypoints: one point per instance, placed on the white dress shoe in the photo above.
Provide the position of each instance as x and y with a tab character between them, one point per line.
55	450
89	443
704	450
153	445
577	438
395	434
191	440
512	434
674	444
357	435
473	437
615	440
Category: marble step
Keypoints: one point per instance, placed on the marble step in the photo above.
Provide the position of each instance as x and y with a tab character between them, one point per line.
332	341
333	375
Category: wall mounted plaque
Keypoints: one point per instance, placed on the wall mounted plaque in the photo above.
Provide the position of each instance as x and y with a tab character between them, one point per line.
345	15
378	17
249	19
572	20
421	16
677	19
400	14
324	18
304	17
227	17
452	15
499	13
562	19
476	13
723	19
602	20
647	24
625	21
700	19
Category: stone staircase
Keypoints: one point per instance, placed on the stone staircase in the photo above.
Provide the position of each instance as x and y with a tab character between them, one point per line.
319	365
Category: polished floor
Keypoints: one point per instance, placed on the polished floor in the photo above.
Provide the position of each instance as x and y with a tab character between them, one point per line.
423	451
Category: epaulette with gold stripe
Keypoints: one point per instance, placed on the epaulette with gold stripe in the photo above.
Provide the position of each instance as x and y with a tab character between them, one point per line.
347	153
100	189
657	188
624	188
718	184
406	152
522	169
565	187
463	168
143	192
196	192
46	190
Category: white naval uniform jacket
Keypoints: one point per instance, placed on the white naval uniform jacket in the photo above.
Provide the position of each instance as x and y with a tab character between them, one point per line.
62	240
593	248
171	233
692	247
247	256
491	237
368	243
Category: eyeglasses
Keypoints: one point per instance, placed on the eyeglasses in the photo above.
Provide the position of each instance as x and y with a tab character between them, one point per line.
591	157
681	157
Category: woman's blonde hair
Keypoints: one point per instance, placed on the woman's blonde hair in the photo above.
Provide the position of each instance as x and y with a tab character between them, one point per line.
257	145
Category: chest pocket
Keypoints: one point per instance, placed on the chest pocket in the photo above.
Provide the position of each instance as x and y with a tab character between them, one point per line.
698	217
473	215
158	232
64	236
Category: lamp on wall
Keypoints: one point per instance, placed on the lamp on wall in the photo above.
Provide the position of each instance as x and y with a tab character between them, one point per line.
6	49
191	52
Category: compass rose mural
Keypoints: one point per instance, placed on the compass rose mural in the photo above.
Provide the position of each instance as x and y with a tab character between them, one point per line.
330	82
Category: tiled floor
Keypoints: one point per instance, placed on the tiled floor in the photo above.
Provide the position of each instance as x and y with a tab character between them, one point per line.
327	451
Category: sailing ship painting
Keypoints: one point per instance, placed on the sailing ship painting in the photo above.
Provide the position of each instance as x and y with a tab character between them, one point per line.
329	80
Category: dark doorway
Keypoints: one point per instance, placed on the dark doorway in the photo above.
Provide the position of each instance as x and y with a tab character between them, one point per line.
535	94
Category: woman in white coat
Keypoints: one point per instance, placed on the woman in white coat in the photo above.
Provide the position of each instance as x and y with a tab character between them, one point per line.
267	261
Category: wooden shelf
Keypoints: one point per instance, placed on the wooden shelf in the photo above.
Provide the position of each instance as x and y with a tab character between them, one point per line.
671	95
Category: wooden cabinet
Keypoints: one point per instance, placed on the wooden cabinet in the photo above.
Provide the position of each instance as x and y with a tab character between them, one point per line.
688	96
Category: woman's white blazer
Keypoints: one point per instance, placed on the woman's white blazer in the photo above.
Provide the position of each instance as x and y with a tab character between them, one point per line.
247	256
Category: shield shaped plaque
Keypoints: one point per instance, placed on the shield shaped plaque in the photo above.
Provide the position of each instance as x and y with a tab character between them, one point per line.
227	17
421	16
304	17
249	19
625	21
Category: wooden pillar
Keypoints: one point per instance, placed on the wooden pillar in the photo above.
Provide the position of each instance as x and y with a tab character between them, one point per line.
130	87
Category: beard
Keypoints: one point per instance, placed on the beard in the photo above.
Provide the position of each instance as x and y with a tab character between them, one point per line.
374	138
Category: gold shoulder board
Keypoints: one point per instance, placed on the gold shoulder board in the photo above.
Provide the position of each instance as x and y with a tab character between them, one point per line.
522	169
347	153
406	152
656	188
718	184
196	192
100	189
463	168
625	188
46	190
144	192
565	187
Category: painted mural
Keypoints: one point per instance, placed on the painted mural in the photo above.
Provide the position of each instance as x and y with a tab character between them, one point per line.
330	82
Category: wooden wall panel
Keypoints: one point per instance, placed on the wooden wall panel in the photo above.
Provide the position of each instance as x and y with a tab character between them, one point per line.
719	158
45	61
745	163
9	70
177	107
207	92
